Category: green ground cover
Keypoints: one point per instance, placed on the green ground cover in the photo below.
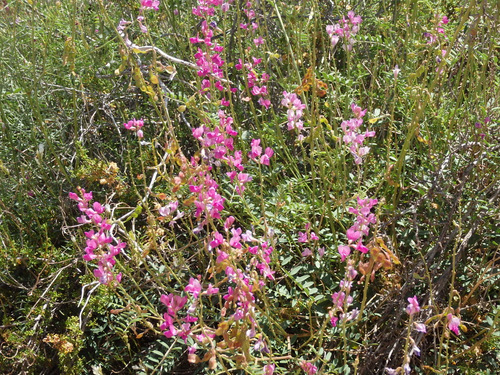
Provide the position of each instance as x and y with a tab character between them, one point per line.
287	187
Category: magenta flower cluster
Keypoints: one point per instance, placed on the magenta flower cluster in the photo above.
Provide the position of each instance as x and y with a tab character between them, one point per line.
294	112
150	4
360	228
209	200
206	8
176	326
210	59
256	153
145	4
308	368
309	236
239	298
453	323
174	304
218	143
438	30
346	29
136	126
353	138
99	241
242	261
342	300
256	83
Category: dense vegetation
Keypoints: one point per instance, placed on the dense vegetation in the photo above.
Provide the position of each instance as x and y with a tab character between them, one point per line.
261	186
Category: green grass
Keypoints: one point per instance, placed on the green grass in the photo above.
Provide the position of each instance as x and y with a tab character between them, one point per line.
68	82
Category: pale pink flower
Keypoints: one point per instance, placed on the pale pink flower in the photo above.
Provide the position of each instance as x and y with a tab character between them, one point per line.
256	149
302	237
295	110
413	307
229	222
307	252
268	154
420	327
396	71
211	290
258	41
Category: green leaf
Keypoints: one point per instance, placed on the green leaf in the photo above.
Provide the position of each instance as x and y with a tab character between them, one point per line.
301	279
295	270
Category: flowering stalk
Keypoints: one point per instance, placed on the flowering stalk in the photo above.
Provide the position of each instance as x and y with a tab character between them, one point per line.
346	29
240	261
342	299
294	112
99	243
239	312
135	125
412	309
353	138
360	228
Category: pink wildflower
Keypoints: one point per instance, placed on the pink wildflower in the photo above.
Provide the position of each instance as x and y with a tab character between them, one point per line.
333	321
256	149
295	110
194	287
396	71
268	154
413	307
302	237
308	368
420	327
258	41
135	125
453	323
229	222
150	4
344	251
307	252
346	29
353	137
211	290
269	369
173	303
